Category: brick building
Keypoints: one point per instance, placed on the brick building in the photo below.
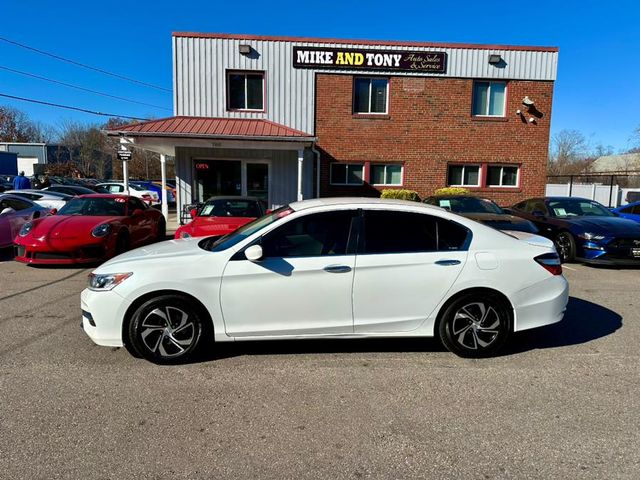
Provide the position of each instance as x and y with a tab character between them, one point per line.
289	118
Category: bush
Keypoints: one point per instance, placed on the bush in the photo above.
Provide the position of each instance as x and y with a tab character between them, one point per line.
411	195
451	191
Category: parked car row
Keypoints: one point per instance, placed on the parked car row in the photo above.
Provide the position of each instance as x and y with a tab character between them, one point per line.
581	229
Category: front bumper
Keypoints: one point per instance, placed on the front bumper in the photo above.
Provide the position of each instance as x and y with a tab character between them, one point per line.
103	315
36	253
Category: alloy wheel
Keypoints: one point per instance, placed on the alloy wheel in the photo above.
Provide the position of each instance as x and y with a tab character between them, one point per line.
168	331
476	326
563	246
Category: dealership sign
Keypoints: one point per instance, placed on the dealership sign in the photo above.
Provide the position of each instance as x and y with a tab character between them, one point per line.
369	59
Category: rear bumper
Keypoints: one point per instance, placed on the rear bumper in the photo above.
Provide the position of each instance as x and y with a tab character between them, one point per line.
541	304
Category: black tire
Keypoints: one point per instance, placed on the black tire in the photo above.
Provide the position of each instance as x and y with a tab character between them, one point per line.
162	230
475	325
177	340
566	247
122	242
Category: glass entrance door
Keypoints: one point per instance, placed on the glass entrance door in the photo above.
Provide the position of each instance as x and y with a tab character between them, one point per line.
258	181
218	177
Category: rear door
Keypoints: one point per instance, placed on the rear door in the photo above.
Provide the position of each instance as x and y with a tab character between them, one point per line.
301	286
406	263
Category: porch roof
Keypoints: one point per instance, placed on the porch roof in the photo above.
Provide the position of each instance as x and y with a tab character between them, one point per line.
212	128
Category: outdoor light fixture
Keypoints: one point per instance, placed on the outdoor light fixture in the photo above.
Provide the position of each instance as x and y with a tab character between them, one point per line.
495	59
245	49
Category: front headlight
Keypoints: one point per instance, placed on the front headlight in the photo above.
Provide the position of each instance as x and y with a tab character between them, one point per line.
101	230
592	237
26	228
102	282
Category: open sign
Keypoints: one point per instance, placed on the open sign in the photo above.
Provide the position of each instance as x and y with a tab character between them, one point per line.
202	166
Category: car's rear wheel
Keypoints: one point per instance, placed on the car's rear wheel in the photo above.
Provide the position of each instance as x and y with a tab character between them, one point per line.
566	247
166	329
475	325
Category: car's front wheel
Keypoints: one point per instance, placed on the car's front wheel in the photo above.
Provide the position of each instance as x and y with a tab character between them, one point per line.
167	329
566	247
475	325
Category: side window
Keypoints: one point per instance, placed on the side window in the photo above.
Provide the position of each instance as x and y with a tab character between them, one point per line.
319	234
636	210
135	204
405	232
16	204
627	210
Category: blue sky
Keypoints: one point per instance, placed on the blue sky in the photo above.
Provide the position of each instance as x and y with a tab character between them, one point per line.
597	91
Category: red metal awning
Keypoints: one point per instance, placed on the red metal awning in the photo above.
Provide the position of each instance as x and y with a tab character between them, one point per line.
210	127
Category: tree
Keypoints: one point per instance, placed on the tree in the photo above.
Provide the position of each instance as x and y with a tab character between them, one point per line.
569	153
15	126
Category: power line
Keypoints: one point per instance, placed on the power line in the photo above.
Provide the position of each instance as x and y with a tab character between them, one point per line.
70	85
73	62
68	107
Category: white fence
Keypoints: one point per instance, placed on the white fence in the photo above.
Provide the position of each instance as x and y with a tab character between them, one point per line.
608	195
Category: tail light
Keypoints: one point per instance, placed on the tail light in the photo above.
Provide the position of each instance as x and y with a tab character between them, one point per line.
550	262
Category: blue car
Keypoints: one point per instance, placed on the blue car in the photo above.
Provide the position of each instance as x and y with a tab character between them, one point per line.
584	230
630	211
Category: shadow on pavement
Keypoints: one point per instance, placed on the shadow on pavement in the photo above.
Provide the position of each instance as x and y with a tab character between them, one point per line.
584	321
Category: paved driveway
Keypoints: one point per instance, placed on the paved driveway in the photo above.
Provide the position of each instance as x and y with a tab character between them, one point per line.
563	402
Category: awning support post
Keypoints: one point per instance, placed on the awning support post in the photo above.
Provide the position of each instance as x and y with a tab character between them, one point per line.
163	173
300	171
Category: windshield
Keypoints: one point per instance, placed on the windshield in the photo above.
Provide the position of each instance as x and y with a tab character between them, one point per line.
95	207
468	205
570	207
214	244
230	208
136	187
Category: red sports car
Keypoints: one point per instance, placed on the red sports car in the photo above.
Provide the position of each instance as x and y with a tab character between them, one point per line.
88	229
221	215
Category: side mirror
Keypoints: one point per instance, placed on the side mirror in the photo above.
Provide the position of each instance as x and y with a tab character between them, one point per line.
253	253
53	211
193	212
137	211
7	210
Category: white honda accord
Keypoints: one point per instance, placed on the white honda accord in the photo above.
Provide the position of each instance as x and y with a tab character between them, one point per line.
329	268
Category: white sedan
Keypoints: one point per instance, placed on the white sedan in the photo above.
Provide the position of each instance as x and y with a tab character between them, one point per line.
46	199
148	196
329	268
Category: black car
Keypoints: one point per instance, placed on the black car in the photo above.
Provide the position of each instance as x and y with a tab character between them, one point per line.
584	230
482	210
75	190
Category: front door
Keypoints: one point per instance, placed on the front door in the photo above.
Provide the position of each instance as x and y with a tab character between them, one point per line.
218	178
257	181
406	263
301	286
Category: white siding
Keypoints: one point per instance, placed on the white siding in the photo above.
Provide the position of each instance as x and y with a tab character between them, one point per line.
200	65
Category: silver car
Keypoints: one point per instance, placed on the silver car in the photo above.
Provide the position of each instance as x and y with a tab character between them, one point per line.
43	198
15	211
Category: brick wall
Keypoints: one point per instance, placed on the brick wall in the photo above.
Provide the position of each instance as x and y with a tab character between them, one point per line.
428	126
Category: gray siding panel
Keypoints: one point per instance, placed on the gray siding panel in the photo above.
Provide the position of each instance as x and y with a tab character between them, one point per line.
201	65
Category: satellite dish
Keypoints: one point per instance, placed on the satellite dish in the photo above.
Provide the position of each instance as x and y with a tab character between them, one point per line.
527	101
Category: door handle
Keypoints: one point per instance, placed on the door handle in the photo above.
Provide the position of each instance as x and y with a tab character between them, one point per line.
337	268
448	262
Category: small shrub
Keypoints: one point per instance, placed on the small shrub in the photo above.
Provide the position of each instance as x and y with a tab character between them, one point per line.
411	195
451	191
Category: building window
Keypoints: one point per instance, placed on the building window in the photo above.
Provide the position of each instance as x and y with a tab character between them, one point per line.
501	176
370	95
489	99
347	173
464	175
386	174
245	91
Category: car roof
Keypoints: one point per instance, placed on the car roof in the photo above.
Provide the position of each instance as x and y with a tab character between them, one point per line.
359	201
105	195
448	197
16	197
233	197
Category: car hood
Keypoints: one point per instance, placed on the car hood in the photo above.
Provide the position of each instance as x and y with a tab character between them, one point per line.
609	226
67	226
501	221
177	251
203	226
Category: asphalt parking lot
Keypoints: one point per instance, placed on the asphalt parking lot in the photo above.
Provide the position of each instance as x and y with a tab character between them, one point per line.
562	402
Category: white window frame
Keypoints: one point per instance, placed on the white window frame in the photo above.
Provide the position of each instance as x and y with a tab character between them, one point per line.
245	73
346	171
517	167
369	112
385	165
486	114
464	166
